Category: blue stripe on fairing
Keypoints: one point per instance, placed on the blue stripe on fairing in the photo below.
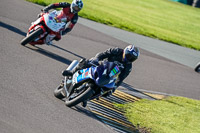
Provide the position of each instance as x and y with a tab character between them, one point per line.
82	76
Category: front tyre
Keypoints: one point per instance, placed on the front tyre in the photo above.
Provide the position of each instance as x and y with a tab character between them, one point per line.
58	92
85	95
31	36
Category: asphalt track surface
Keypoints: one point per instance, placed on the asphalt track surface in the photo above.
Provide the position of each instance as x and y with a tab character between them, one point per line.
28	75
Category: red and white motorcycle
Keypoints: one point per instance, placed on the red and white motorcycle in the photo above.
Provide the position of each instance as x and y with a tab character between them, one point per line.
45	28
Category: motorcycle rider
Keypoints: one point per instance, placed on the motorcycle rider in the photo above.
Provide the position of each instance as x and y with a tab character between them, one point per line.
70	11
124	56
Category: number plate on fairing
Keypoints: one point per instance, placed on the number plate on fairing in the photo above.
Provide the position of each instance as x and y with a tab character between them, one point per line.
51	22
85	74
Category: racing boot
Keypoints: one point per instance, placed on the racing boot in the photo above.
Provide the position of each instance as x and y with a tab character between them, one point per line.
84	104
49	43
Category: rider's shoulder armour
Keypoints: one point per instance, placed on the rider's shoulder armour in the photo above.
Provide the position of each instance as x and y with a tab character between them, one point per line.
64	4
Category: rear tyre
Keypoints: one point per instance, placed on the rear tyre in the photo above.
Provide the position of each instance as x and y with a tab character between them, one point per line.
80	98
31	36
58	92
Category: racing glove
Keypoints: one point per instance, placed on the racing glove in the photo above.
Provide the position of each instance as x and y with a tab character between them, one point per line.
49	43
45	10
94	61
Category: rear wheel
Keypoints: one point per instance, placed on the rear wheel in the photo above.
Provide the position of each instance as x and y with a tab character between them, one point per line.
79	97
31	36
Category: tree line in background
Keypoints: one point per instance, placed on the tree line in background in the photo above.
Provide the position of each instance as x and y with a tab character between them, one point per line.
194	3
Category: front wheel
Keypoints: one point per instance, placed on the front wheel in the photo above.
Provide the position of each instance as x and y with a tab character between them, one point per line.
58	92
85	95
31	36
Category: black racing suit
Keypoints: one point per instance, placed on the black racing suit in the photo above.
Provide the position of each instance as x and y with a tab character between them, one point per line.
73	18
112	54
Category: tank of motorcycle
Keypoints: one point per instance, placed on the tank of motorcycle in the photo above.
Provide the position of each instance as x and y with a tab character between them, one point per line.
89	73
106	74
98	74
55	21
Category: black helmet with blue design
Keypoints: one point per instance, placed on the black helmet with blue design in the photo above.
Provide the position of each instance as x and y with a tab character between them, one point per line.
130	53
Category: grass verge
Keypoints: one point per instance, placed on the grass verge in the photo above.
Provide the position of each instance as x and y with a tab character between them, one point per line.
163	19
170	115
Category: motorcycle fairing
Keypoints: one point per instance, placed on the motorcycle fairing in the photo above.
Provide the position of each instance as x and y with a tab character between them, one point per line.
78	77
113	73
81	75
99	74
37	21
52	22
110	69
110	85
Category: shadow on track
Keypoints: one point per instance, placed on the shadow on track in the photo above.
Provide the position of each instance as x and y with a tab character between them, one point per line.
67	51
40	50
132	89
109	122
12	28
85	112
50	54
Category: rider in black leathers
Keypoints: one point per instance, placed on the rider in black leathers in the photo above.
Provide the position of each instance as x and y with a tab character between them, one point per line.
124	56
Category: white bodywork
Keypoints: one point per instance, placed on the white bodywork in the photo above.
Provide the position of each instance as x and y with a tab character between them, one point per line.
51	21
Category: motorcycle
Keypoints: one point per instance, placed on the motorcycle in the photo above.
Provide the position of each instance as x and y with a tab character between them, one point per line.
45	28
88	83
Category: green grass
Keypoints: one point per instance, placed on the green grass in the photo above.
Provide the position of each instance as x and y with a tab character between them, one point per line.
163	19
170	115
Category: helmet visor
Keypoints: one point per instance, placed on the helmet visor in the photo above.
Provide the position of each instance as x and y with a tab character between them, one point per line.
130	57
76	9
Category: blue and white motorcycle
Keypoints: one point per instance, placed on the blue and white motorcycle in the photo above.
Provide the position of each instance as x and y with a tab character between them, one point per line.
88	83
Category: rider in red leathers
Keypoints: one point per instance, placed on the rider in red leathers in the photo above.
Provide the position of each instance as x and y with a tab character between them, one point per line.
70	11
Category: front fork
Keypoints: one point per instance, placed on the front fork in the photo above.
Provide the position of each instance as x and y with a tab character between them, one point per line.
65	84
35	25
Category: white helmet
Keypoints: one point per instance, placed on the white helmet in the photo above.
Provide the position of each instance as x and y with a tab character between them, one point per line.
76	6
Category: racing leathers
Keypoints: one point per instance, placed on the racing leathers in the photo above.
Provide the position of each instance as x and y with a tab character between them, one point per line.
70	17
111	55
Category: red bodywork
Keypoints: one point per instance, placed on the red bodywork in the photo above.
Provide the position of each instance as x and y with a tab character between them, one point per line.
46	30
